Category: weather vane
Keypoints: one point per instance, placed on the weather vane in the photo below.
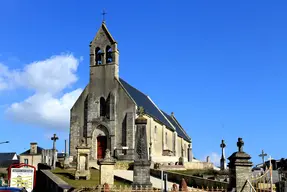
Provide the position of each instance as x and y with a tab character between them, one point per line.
104	13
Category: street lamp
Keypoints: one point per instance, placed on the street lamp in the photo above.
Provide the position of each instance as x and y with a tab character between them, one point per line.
4	142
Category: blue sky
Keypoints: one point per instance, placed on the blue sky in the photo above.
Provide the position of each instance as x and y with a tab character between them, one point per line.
220	66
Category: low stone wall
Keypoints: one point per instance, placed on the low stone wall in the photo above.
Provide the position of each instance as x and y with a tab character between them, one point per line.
198	165
46	181
192	181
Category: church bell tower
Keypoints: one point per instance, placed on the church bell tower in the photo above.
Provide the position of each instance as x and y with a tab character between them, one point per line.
104	56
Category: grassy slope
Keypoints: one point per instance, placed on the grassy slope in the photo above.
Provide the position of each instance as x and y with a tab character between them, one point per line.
68	176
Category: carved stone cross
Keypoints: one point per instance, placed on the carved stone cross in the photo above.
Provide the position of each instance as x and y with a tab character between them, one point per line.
240	144
222	145
263	155
54	139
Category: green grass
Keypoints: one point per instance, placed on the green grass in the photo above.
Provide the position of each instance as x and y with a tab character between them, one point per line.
68	176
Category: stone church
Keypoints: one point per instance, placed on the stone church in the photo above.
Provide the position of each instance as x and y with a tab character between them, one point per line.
104	114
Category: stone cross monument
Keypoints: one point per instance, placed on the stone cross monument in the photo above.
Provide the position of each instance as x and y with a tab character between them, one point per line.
141	177
222	160
54	159
263	155
239	169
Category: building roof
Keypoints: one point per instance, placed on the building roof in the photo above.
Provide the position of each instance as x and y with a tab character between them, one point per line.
39	151
152	110
6	159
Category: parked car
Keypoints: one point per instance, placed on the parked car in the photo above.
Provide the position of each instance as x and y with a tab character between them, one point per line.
12	189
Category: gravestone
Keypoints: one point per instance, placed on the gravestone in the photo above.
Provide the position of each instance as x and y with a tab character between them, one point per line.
239	169
83	156
107	169
141	173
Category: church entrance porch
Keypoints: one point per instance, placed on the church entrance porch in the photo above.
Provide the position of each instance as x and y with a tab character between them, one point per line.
101	146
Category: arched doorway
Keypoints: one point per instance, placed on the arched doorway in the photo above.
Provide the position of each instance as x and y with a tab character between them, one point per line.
100	142
101	146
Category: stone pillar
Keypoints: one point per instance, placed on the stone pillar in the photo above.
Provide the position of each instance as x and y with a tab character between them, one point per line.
83	157
107	169
141	173
239	169
190	155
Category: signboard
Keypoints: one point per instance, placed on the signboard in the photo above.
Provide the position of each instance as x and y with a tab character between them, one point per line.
22	177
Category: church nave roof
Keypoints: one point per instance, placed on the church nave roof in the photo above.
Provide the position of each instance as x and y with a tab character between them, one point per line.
151	109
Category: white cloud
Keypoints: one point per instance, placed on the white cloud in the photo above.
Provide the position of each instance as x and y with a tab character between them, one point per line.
4	73
45	110
214	158
47	79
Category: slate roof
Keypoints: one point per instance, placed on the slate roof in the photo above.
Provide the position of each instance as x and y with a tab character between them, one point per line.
151	109
180	131
6	159
39	151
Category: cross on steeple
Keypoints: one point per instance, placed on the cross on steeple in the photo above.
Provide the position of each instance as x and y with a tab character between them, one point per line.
104	13
54	139
240	144
263	155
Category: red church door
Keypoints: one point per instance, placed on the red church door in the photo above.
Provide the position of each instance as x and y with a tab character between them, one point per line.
102	146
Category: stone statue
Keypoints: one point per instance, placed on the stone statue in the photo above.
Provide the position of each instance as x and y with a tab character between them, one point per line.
107	155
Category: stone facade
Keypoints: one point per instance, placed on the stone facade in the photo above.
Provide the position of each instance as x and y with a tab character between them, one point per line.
105	112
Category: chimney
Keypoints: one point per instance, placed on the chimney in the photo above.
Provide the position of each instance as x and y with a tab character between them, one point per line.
33	148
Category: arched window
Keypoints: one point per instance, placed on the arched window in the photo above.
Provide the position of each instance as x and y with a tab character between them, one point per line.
98	56
108	106
109	57
102	107
155	132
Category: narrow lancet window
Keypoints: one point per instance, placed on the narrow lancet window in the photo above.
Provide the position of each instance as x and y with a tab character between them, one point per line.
109	57
102	107
98	55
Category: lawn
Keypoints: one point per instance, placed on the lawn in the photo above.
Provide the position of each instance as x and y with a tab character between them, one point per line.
68	176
